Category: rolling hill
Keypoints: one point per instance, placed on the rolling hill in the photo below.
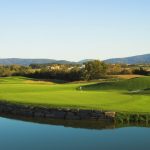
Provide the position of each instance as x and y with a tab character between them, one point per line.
141	83
128	60
139	59
26	62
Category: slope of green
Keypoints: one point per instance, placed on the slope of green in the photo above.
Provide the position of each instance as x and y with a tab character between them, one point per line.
20	90
14	80
130	85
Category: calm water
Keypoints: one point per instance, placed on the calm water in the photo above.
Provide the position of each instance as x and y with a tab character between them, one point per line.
20	135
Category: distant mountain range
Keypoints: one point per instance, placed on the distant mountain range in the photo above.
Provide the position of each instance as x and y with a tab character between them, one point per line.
26	62
138	59
128	60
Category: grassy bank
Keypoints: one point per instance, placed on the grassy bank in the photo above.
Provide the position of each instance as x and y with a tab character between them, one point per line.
126	117
121	95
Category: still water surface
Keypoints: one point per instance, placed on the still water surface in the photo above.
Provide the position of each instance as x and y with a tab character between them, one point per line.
21	135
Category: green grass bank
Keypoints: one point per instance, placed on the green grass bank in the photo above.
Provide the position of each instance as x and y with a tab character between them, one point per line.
128	95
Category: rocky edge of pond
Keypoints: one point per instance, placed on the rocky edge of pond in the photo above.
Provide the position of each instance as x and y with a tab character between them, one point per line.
54	113
71	114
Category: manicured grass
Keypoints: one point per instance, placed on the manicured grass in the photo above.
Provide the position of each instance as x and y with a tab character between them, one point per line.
128	84
107	95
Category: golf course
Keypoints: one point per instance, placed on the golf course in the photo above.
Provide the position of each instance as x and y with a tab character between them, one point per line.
120	95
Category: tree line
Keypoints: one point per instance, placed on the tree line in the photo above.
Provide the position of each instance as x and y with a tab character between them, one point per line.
88	71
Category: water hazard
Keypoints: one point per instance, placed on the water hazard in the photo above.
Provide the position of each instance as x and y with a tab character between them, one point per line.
58	135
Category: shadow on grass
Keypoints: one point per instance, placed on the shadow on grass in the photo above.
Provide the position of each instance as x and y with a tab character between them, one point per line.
49	80
102	86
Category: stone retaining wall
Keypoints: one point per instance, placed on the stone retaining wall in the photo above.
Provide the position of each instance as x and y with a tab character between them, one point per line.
43	112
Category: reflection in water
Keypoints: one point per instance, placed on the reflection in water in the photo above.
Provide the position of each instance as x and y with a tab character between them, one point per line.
86	124
21	135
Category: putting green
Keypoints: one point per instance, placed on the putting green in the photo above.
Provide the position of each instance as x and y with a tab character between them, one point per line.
114	96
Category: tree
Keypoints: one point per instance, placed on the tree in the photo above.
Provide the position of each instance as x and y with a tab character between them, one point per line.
94	70
114	69
141	71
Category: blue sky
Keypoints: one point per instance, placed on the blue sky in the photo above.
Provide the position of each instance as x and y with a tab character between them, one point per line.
74	29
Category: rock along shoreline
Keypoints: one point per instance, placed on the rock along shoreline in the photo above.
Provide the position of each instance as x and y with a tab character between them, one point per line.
55	113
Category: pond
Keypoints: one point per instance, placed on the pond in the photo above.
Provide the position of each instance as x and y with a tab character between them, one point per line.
25	135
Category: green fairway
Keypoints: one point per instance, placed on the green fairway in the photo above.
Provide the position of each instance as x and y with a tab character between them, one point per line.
113	96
